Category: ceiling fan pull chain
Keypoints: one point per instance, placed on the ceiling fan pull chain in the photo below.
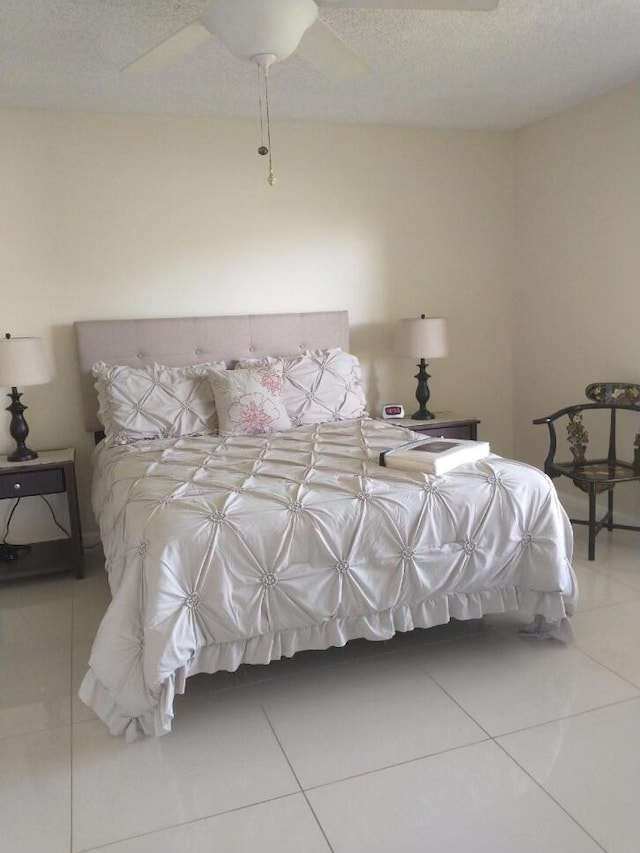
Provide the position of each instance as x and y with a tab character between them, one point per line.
263	76
271	178
262	148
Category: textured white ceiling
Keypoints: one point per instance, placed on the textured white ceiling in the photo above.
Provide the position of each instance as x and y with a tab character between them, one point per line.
500	69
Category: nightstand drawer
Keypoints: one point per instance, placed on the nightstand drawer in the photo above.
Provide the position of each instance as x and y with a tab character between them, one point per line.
443	426
451	432
26	483
50	472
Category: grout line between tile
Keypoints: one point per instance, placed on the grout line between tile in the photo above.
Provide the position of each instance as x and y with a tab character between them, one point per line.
317	820
606	573
602	606
38	731
397	764
605	666
455	702
609	604
282	749
555	719
295	776
567	717
550	795
184	823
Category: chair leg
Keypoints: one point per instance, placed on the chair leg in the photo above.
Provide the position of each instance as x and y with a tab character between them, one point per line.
610	507
592	525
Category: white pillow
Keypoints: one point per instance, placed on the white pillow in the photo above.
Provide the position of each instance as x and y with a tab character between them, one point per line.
321	385
154	401
250	401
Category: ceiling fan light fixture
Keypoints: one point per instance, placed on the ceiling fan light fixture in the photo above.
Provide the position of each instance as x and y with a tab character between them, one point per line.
252	28
264	60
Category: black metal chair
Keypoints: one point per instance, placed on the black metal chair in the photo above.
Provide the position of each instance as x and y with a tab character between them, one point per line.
595	476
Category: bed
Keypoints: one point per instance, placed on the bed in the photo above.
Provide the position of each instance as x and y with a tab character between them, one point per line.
231	549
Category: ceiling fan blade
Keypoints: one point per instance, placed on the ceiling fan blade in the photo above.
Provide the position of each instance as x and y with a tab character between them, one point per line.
332	56
435	5
170	50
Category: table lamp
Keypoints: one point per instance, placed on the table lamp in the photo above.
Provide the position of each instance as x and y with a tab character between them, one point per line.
424	338
22	362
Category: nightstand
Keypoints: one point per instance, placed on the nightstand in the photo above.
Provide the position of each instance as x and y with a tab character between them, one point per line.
444	425
52	472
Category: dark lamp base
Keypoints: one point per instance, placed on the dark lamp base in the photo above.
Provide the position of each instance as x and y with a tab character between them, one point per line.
19	429
422	394
22	454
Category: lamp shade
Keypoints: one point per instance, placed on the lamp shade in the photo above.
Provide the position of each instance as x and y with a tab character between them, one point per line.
422	337
23	362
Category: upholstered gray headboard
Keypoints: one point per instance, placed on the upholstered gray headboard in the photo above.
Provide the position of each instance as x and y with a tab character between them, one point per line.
192	340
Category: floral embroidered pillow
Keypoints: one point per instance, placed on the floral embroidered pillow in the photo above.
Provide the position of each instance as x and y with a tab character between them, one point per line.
154	401
250	401
321	385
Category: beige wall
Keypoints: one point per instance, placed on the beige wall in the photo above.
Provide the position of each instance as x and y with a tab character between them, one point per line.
528	242
577	317
123	216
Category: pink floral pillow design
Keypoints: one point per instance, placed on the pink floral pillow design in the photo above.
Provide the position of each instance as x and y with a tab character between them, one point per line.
319	385
250	401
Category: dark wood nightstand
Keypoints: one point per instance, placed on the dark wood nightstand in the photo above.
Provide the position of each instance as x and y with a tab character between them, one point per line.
52	472
444	425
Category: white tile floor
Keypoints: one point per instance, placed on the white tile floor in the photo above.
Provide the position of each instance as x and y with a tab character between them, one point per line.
462	738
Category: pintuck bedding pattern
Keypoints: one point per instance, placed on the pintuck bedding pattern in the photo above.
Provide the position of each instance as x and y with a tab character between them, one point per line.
242	549
155	401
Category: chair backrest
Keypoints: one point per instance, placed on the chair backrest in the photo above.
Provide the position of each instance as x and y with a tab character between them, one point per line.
623	394
612	397
614	393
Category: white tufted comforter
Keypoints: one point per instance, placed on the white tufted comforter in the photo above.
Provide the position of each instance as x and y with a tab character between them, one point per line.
242	550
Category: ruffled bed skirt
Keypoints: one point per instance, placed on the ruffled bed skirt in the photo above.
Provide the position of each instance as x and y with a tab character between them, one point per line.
550	609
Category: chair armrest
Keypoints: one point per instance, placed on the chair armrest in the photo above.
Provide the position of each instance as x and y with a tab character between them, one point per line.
553	440
566	411
569	411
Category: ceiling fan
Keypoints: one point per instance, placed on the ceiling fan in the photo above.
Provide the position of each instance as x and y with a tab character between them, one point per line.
268	31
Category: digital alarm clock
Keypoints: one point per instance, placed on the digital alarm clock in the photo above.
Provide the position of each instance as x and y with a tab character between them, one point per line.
392	410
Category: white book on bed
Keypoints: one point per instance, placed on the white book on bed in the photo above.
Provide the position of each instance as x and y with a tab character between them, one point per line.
434	455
